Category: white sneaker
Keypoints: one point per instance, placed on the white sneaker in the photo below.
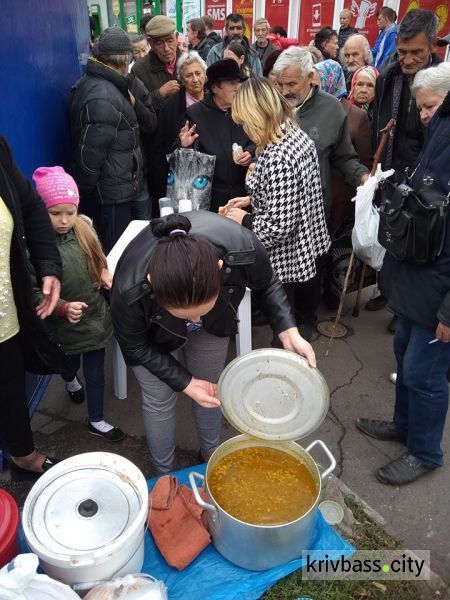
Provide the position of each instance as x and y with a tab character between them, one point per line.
393	377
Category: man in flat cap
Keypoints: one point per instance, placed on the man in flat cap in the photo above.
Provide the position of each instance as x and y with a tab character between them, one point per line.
107	159
157	70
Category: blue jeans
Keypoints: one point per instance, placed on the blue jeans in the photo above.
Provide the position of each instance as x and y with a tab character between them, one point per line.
94	377
421	398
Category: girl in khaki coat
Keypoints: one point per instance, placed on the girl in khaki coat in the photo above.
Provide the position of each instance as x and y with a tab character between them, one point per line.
81	321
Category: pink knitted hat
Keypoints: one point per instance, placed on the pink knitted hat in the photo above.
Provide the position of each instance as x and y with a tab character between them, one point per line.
55	186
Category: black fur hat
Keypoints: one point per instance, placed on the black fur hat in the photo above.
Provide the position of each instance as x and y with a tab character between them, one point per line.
224	70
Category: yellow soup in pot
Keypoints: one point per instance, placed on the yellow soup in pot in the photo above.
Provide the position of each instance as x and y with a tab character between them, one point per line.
262	486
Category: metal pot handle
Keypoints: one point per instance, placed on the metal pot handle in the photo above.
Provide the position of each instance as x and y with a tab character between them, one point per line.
209	507
328	453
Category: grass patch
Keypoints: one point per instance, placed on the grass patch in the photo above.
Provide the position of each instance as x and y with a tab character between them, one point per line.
367	535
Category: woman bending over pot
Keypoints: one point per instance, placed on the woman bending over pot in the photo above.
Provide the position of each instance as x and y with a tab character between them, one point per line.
174	305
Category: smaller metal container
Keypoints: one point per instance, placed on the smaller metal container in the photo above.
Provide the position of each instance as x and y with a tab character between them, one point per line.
85	519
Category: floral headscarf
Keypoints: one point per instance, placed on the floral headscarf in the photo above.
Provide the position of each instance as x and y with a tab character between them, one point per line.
332	79
369	72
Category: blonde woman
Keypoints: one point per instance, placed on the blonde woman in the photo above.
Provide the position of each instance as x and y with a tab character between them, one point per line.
285	194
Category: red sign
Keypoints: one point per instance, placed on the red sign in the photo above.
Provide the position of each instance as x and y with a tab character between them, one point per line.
277	12
217	10
364	17
314	16
245	8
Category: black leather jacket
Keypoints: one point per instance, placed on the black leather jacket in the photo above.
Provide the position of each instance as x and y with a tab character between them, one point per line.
147	333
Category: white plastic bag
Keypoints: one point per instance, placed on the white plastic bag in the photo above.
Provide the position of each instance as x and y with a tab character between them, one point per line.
19	581
367	219
131	587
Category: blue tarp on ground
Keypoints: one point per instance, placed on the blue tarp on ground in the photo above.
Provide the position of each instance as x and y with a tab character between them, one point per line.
211	577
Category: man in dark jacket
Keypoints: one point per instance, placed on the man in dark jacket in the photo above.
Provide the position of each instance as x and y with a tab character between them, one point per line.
105	135
345	30
214	132
416	41
210	31
235	31
147	120
157	70
263	46
196	35
420	296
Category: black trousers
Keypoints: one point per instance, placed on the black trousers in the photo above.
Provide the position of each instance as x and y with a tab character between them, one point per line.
304	298
113	220
15	427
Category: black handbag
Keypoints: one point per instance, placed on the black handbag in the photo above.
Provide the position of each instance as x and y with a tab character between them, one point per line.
412	222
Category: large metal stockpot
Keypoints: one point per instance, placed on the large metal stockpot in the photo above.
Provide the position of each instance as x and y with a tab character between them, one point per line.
274	397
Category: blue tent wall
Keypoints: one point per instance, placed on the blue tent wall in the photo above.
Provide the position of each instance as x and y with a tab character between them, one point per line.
44	46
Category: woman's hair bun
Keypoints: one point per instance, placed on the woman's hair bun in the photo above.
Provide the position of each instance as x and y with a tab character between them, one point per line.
162	227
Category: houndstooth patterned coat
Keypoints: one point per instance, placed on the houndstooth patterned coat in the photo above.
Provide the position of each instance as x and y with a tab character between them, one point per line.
286	195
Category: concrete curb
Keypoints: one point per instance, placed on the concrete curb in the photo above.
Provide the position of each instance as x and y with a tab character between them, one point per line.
436	585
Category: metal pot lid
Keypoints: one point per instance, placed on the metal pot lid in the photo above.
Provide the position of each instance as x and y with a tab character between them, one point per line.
273	395
83	509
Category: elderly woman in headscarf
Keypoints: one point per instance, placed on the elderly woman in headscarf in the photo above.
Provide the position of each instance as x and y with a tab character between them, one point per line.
331	79
362	90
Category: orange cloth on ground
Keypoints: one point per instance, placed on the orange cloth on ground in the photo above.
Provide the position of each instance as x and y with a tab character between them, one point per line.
175	521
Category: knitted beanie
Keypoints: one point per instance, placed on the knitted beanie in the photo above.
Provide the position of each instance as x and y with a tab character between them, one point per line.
55	186
114	41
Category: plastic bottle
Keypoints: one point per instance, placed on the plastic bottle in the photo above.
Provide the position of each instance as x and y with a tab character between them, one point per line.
184	205
237	151
165	207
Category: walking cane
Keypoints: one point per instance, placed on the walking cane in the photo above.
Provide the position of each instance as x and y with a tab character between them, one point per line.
376	159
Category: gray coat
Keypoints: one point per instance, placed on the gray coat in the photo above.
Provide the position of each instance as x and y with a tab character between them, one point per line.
323	119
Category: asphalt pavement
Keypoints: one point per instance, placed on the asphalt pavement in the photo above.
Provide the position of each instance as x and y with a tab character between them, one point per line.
356	369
